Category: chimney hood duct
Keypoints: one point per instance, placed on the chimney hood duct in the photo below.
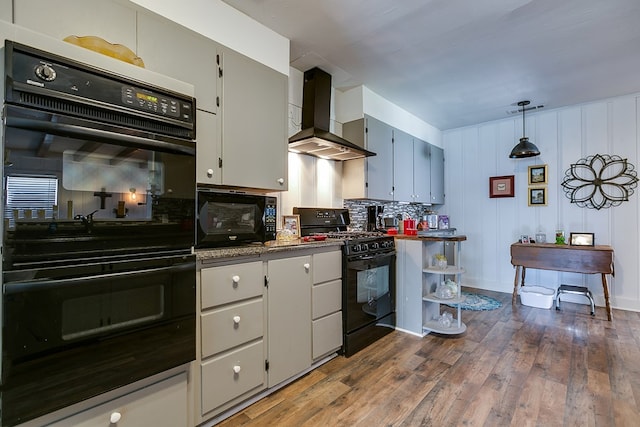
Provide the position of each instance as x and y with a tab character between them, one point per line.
315	139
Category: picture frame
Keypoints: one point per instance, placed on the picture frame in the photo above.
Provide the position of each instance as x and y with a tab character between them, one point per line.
501	186
291	222
581	239
537	196
537	174
525	239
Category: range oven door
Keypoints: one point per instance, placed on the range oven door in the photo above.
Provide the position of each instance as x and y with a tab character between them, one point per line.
84	330
368	299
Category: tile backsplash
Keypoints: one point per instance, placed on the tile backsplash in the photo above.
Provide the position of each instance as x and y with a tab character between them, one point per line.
358	211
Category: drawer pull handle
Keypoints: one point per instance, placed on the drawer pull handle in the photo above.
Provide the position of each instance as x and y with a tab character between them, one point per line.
236	320
236	369
236	280
115	417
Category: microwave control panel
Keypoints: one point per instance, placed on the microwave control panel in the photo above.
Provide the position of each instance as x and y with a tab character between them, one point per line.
270	215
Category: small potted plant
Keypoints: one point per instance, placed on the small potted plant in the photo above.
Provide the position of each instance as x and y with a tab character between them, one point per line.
440	261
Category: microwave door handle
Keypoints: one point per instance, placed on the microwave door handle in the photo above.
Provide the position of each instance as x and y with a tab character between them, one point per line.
101	135
21	287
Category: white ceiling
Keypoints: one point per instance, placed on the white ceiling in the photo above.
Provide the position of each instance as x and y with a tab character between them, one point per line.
459	62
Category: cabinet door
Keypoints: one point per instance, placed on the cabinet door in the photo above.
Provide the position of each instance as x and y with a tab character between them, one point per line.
402	166
109	20
254	124
437	175
289	330
421	171
208	149
173	50
409	279
379	167
163	404
6	10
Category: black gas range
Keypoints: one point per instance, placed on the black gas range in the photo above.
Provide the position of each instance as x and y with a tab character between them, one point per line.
368	276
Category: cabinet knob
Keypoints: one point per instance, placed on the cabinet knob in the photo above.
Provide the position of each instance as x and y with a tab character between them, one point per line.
236	320
236	369
115	417
236	280
307	266
210	173
280	181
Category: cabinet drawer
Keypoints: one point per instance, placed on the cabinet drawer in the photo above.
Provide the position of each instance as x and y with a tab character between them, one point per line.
221	285
231	326
220	382
327	266
163	404
326	298
327	334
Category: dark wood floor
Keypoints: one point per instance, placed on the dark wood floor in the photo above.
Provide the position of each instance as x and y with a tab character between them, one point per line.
516	365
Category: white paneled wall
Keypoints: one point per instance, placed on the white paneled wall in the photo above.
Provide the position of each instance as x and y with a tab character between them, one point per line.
473	154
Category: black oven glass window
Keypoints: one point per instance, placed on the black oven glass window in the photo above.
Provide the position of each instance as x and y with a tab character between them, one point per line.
30	196
372	284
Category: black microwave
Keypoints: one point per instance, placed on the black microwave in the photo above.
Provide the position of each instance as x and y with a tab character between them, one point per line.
226	219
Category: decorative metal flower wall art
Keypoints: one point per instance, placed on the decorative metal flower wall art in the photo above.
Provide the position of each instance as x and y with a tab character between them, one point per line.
600	181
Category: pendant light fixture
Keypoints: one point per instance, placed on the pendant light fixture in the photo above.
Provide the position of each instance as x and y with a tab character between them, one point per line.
524	148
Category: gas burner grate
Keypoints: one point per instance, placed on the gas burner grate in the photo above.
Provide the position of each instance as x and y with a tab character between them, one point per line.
349	235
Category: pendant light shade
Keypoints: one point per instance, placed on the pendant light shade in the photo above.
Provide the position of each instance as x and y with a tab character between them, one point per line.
524	148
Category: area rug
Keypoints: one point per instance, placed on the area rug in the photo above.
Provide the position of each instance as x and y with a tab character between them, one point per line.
477	302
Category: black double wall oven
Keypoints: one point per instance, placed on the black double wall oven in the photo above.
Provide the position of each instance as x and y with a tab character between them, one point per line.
98	231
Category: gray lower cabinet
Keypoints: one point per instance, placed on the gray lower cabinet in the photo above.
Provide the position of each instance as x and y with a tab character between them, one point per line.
289	317
111	20
232	351
163	404
326	304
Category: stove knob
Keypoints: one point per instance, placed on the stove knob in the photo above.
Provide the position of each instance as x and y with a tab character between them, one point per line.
45	72
365	247
356	248
375	245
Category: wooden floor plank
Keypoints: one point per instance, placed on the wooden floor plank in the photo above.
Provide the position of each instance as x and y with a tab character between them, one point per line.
515	365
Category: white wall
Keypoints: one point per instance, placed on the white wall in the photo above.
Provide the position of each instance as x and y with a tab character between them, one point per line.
475	153
228	26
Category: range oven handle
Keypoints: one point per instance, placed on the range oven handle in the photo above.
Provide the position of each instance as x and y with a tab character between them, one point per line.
101	135
21	287
369	257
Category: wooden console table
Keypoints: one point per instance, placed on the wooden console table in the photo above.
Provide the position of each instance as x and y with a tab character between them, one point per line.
574	259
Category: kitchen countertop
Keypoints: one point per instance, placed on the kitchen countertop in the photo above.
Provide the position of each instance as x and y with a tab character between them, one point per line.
263	249
454	238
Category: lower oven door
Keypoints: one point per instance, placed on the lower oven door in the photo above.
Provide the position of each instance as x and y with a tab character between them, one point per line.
70	338
369	289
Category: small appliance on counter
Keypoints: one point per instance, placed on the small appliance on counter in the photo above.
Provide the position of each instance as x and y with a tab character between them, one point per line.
374	217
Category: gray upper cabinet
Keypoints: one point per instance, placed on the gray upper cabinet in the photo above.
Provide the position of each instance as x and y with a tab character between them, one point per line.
437	175
6	10
370	178
110	20
254	124
173	50
421	171
403	164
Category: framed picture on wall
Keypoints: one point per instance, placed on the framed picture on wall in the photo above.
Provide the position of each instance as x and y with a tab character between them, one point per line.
501	186
537	196
537	174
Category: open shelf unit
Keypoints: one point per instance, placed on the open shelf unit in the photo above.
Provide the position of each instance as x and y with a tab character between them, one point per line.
431	277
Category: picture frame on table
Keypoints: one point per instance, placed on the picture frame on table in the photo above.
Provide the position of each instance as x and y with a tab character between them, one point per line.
291	222
581	239
537	196
501	186
537	174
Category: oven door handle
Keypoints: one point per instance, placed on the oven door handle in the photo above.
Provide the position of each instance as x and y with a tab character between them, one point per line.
21	287
375	256
101	135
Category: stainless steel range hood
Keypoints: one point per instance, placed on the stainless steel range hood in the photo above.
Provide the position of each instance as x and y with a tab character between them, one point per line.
315	139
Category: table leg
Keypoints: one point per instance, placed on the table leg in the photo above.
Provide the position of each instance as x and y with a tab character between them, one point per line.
515	285
606	295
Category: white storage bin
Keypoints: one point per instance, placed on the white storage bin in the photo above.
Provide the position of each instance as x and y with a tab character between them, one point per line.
537	296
